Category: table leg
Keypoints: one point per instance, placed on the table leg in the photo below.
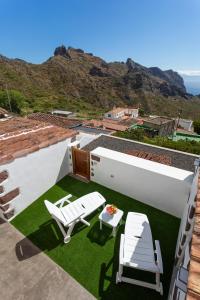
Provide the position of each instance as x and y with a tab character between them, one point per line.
100	225
114	232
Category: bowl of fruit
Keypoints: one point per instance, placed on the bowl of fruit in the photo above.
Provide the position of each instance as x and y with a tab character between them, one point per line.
111	209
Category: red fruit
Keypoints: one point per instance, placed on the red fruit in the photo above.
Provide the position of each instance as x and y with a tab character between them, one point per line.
111	209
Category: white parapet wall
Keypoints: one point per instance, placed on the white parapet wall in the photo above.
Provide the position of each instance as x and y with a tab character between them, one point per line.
161	186
85	138
35	173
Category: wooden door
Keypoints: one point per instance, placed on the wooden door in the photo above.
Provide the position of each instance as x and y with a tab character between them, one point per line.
81	162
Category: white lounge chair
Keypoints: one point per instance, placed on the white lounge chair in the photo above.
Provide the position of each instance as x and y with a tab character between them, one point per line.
137	251
73	212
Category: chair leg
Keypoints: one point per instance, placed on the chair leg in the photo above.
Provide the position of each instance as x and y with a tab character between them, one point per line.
67	238
119	274
61	228
85	222
159	287
114	232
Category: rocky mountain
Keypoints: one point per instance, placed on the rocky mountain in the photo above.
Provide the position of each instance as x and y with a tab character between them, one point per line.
71	78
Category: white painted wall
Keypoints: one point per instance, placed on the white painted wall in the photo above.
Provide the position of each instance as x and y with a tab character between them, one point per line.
185	124
114	116
134	112
35	173
164	187
86	138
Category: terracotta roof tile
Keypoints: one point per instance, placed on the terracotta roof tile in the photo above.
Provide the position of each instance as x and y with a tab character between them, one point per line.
108	124
179	159
163	159
158	120
192	296
20	136
194	269
3	111
55	120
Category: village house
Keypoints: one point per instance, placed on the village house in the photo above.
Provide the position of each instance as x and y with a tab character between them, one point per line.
120	112
162	126
44	165
26	146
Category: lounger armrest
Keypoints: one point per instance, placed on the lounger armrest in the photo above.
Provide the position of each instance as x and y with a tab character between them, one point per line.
63	200
78	218
121	251
159	257
104	200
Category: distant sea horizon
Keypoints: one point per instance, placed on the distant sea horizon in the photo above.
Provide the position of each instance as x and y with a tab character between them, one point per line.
192	84
192	90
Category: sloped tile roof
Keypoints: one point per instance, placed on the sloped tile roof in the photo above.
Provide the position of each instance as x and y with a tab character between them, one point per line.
20	136
178	159
158	120
163	159
194	269
108	124
3	111
55	120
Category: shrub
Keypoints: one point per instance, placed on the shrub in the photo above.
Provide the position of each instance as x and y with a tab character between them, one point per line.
196	125
181	145
17	101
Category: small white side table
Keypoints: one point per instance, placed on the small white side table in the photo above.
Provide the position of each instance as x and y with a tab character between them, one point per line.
111	220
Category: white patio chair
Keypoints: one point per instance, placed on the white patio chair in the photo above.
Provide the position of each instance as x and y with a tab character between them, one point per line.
137	251
73	212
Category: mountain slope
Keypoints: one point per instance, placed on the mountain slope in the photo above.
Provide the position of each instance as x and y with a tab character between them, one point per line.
72	78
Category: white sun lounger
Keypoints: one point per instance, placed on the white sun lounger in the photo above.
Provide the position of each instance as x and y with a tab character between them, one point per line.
137	251
73	212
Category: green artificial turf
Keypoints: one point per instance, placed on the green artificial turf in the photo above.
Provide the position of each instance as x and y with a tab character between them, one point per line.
92	255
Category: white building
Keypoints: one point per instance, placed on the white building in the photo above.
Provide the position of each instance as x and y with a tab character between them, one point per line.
124	173
34	156
185	124
61	113
120	112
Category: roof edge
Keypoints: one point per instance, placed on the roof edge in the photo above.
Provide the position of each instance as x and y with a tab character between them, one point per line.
150	145
193	287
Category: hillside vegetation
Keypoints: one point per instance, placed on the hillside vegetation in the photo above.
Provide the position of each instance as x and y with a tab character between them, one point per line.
82	82
181	145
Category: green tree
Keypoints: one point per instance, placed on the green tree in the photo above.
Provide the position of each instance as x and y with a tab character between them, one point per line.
17	101
133	134
181	145
196	125
141	112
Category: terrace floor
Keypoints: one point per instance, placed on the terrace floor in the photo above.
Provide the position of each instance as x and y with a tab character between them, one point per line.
91	257
29	274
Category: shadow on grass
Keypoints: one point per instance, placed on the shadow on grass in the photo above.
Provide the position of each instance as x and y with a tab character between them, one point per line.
99	236
46	238
109	290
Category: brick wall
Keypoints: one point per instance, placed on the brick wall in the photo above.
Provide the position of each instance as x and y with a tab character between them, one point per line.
3	176
6	198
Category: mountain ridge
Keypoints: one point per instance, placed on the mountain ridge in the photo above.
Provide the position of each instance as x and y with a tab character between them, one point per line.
73	76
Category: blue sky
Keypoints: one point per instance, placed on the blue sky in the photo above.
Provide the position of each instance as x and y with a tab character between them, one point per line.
162	33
